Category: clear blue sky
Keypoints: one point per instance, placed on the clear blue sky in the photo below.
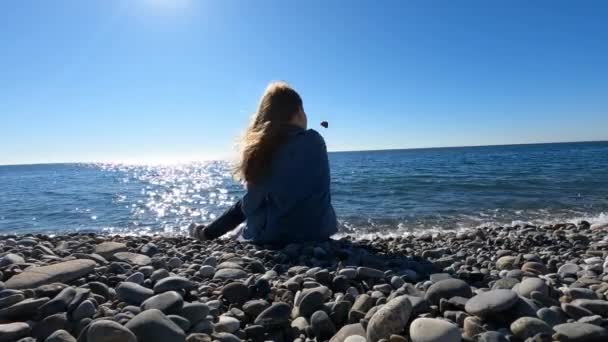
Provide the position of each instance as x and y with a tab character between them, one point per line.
157	80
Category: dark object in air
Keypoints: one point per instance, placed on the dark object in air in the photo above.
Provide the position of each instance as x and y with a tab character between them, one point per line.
324	124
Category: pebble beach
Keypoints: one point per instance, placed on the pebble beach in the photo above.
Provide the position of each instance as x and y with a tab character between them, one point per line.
517	283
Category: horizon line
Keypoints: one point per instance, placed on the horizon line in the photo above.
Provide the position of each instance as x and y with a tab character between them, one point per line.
335	151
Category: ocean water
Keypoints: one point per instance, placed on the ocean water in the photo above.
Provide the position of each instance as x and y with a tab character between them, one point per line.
386	192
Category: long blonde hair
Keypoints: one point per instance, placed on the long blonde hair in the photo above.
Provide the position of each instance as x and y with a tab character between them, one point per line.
267	131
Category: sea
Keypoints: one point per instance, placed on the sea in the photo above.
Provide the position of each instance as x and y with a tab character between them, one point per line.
387	193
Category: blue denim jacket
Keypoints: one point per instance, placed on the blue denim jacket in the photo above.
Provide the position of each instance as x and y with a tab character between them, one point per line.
294	203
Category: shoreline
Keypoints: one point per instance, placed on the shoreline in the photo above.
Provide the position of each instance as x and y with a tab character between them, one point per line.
545	282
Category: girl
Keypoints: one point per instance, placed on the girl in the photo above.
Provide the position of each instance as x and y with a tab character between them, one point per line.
286	172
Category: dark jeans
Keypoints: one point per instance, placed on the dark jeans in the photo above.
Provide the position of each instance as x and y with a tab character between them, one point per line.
229	220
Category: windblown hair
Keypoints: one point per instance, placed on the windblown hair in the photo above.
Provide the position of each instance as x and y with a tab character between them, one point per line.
267	131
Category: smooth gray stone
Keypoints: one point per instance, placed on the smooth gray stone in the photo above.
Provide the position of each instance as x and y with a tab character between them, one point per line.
322	326
254	307
226	337
86	309
194	312
235	292
579	332
57	304
368	272
491	336
552	316
11	300
527	327
137	278
311	301
182	322
132	293
433	330
597	306
61	336
227	324
347	331
153	325
13	331
528	285
230	274
24	309
109	248
505	284
174	283
10	259
389	319
491	302
49	325
275	316
447	289
109	331
62	272
169	302
132	258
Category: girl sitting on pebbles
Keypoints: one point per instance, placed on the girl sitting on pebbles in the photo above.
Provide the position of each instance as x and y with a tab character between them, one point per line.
285	169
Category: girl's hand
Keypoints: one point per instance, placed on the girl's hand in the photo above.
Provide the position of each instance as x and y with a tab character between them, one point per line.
197	231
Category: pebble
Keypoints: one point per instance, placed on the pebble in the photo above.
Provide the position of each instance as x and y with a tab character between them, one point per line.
133	293
24	309
194	312
137	278
132	258
367	272
206	271
579	332
11	259
109	331
527	327
389	319
86	309
227	324
109	248
433	330
169	302
275	316
13	331
153	325
447	289
235	293
310	302
230	274
322	326
596	306
226	290
175	283
62	272
491	302
528	285
61	336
